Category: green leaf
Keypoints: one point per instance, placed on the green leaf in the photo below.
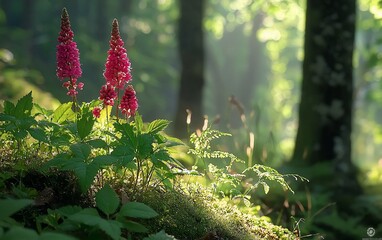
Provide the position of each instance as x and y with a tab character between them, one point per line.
58	161
138	122
11	206
38	134
160	236
9	108
81	150
20	233
85	124
83	171
97	143
55	236
63	113
68	210
129	137
145	147
104	160
21	134
134	227
137	210
24	106
42	110
125	154
107	200
157	125
6	117
90	217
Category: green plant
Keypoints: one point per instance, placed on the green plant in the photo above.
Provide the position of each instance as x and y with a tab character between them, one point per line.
106	220
227	182
10	229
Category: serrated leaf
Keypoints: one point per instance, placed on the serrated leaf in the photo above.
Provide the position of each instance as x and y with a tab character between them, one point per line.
6	117
63	113
11	206
129	137
81	150
145	147
137	210
157	125
24	106
107	200
9	108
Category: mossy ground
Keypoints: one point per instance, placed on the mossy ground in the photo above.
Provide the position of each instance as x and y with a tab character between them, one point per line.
188	211
191	211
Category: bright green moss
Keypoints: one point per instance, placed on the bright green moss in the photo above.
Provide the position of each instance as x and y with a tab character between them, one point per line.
193	212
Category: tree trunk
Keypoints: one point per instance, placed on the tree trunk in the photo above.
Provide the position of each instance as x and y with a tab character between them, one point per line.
325	114
191	49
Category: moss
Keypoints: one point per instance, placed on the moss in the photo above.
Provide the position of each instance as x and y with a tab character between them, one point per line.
193	212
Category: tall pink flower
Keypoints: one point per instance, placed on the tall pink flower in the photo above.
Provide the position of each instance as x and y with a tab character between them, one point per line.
68	60
107	94
117	67
129	102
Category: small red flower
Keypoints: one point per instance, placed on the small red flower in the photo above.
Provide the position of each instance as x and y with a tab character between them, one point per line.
129	102
97	112
107	94
117	67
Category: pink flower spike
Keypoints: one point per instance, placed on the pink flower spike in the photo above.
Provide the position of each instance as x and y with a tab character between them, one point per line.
68	60
107	94
97	112
129	102
117	67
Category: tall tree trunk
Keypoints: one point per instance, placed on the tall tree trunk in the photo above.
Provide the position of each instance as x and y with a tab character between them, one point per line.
191	48
325	114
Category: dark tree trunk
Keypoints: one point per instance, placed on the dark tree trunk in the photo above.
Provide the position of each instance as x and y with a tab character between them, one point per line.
325	115
191	48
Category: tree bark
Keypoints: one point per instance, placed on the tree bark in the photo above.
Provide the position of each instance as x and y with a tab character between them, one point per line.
325	114
191	49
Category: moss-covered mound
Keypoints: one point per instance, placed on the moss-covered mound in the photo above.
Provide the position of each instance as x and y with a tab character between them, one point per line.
193	212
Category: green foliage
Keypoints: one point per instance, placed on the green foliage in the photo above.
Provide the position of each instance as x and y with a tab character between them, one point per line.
227	182
11	230
137	210
73	218
107	200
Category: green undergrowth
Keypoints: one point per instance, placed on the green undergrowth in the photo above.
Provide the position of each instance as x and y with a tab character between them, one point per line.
192	211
